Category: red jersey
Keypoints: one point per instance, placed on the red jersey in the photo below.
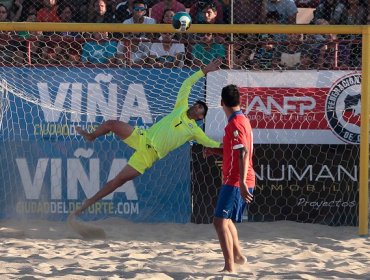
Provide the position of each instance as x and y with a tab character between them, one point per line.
46	15
238	134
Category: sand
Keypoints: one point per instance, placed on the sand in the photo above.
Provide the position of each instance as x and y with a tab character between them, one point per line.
275	250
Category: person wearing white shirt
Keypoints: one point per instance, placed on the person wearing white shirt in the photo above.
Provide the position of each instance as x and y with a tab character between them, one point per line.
167	53
138	50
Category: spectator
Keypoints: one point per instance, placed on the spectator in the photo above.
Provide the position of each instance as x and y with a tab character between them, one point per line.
139	48
207	50
16	10
331	10
286	9
167	19
123	10
210	17
196	11
167	16
4	13
66	14
288	56
99	50
139	12
159	8
261	58
322	48
49	12
101	12
28	7
209	12
167	53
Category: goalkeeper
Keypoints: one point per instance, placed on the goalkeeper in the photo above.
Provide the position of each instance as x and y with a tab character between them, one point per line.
155	143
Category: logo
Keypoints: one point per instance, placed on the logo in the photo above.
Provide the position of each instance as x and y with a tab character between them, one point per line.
343	108
191	125
236	133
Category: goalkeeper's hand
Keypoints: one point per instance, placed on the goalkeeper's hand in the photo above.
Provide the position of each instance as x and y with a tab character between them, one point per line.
214	65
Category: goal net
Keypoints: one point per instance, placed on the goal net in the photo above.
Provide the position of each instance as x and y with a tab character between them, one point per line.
301	93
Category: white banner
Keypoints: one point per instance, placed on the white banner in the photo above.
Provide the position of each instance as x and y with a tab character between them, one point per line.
291	107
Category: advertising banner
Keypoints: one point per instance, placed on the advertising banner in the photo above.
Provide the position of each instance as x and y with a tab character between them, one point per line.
306	128
292	107
47	169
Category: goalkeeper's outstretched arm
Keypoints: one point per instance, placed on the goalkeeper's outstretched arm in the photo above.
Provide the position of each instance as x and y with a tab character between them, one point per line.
184	92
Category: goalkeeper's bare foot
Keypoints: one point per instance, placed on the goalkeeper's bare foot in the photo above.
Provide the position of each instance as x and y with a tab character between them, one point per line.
87	136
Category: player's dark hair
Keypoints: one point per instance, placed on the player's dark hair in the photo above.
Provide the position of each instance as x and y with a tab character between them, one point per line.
200	102
230	96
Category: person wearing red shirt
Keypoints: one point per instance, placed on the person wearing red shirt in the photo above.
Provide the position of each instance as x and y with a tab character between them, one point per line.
49	12
159	9
238	177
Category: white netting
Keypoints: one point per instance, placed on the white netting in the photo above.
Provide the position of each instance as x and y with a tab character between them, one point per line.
300	92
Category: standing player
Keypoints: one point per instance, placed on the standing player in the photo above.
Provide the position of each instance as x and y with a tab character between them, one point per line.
238	177
155	143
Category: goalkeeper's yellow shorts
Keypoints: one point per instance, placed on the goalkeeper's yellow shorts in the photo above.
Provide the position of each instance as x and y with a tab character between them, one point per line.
145	155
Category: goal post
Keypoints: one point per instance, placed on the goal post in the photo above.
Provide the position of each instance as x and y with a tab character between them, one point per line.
364	145
237	29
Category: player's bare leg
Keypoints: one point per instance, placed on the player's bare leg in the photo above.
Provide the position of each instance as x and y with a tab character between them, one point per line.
226	242
121	129
126	174
238	257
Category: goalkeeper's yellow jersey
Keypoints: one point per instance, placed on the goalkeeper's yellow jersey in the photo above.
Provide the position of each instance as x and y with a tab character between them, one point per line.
176	128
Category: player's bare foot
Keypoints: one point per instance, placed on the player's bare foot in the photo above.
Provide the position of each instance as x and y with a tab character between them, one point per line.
227	271
84	134
240	260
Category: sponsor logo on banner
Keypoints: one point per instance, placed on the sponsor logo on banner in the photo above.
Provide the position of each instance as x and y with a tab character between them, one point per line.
50	171
102	99
284	108
343	108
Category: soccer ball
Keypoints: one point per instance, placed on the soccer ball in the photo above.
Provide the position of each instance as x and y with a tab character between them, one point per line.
181	21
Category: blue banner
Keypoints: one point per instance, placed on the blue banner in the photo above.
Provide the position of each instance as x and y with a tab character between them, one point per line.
47	170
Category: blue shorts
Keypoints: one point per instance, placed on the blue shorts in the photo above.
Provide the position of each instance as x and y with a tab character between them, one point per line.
230	204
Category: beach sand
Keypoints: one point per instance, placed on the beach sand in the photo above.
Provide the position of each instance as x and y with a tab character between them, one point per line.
275	250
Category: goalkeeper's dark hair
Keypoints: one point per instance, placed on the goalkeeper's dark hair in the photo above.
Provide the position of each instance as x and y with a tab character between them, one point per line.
200	102
230	96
